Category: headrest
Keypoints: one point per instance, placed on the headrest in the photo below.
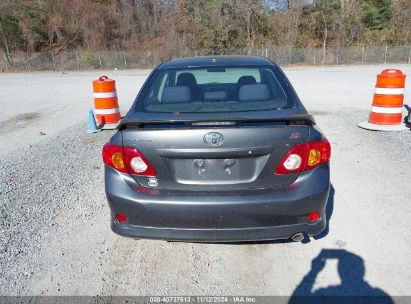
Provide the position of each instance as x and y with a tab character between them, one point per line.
186	79
246	80
254	92
176	94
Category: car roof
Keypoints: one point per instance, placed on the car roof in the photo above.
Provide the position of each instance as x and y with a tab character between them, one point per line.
215	61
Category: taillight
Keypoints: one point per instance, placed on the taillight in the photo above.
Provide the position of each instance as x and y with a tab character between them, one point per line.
127	160
113	157
137	163
319	153
305	157
294	161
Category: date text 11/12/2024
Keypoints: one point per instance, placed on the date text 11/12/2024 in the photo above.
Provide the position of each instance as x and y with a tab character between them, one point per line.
203	299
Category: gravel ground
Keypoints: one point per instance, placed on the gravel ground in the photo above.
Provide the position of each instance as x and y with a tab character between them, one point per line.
55	237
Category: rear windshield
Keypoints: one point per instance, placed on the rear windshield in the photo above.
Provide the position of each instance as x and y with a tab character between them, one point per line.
215	89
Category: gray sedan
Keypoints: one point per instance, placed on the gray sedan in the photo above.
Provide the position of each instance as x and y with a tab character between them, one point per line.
217	149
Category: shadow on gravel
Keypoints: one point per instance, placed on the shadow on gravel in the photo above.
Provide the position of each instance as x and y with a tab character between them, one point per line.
353	288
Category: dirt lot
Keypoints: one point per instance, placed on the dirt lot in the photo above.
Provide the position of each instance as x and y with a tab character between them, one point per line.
55	237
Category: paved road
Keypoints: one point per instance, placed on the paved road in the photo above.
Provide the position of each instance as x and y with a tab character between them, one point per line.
54	221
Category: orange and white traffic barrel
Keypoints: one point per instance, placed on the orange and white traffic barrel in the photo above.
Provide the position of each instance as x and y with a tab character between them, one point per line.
388	101
106	107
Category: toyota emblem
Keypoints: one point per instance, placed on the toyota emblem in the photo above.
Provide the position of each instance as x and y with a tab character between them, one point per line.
213	139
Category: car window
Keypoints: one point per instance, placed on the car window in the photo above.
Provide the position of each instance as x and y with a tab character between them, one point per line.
162	85
214	89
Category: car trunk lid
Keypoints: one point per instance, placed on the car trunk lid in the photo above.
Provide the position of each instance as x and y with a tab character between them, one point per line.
215	155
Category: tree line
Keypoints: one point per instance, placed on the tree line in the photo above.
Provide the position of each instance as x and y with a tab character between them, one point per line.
199	26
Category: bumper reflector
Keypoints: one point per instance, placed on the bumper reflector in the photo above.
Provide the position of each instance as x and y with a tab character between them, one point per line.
313	217
121	218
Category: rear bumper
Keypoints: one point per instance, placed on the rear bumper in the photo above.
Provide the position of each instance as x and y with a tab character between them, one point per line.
250	215
218	235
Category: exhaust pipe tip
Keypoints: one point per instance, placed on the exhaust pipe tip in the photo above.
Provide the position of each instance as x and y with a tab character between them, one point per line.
298	237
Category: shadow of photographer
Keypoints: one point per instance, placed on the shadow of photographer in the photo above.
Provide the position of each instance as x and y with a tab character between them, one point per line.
353	287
